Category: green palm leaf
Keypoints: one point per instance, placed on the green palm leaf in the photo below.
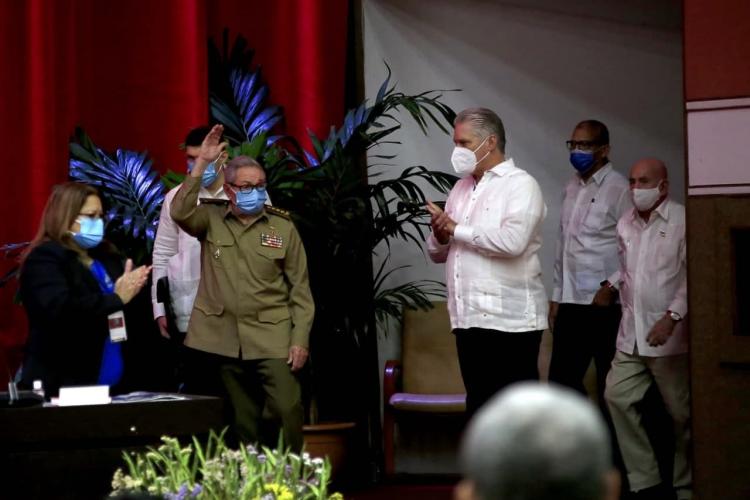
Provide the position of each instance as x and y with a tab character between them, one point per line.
389	303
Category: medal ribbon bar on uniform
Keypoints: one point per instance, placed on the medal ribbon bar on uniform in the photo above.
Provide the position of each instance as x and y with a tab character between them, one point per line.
271	240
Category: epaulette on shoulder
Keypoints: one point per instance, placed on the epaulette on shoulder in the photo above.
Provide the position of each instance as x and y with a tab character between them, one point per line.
278	211
214	201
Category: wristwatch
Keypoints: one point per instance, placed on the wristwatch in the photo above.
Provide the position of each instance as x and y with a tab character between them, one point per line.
674	316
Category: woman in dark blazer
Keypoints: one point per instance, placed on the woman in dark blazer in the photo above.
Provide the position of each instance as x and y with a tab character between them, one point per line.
71	282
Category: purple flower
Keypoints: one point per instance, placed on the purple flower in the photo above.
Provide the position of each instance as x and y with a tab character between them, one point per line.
180	495
197	489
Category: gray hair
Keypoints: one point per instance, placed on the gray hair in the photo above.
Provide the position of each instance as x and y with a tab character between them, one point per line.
537	442
230	170
485	122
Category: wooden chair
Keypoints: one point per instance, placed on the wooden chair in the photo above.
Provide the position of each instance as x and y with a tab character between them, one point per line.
427	382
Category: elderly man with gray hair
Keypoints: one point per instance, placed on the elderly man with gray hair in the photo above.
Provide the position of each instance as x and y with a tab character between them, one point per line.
537	442
488	237
248	332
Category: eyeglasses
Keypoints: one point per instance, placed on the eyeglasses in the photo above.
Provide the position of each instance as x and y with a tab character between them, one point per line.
246	189
583	145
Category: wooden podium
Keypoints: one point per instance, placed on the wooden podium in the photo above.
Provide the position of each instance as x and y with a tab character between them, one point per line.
72	452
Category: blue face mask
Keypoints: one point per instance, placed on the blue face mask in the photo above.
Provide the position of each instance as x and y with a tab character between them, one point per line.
209	175
190	165
251	202
582	160
91	232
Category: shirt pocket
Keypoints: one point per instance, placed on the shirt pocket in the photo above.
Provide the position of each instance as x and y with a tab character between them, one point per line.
219	249
269	263
668	248
275	315
485	296
596	217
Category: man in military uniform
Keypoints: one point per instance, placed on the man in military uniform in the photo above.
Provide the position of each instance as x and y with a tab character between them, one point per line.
248	332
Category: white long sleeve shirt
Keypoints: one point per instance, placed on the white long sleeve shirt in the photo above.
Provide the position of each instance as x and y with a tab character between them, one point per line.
586	251
652	279
493	274
177	255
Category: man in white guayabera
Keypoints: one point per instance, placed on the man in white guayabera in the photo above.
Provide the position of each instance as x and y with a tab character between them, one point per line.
177	255
488	236
594	199
652	343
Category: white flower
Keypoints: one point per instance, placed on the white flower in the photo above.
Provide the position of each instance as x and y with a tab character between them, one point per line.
118	481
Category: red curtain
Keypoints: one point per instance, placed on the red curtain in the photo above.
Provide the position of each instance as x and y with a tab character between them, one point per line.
301	48
133	75
716	45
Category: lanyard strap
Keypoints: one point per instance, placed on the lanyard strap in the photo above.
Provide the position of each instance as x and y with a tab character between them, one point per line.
105	283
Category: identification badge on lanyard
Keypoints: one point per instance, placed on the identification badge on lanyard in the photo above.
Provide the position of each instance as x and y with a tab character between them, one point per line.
117	330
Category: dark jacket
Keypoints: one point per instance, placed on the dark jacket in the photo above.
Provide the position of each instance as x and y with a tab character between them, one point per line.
67	314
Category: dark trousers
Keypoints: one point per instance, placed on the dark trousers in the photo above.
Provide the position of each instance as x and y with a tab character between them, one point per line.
493	359
262	396
582	333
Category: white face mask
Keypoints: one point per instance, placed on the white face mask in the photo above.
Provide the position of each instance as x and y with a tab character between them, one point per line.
464	160
645	199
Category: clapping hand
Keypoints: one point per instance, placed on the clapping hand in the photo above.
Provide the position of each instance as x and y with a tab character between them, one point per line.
442	225
131	282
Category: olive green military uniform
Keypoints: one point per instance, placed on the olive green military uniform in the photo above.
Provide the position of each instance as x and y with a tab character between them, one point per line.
253	303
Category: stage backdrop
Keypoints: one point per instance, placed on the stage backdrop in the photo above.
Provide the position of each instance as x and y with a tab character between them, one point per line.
133	74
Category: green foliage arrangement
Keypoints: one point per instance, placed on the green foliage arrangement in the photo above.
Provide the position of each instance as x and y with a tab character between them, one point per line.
216	472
